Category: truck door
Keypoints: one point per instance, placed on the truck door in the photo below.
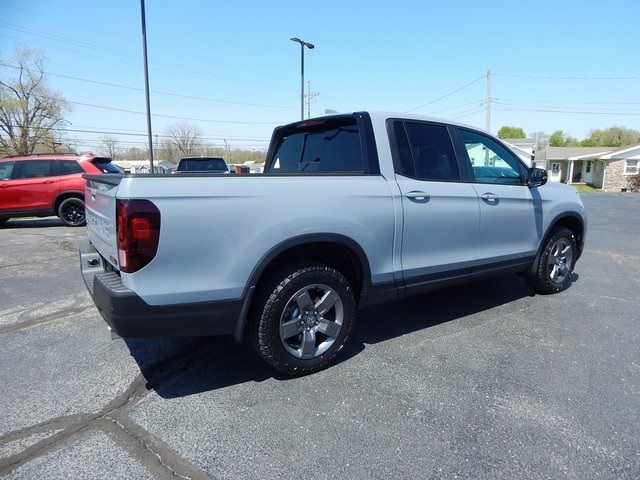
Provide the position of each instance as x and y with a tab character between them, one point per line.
441	212
510	212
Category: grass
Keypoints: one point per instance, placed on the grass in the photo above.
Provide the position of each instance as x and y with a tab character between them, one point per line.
583	188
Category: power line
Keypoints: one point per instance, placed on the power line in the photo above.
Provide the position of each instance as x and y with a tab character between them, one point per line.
564	101
552	77
125	131
446	95
470	112
161	135
159	92
179	73
576	109
455	106
566	111
164	48
124	110
93	47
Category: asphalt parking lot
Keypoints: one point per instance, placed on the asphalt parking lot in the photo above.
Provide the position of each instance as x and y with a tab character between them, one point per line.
484	380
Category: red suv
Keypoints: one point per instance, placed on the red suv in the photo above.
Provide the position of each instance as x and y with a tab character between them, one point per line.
40	185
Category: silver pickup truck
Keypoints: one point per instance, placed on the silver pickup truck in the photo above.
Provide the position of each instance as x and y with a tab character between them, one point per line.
352	210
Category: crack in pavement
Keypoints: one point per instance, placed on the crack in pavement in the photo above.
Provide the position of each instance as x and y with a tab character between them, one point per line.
65	312
113	419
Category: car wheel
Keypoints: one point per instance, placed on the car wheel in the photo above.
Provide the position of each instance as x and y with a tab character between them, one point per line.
556	263
304	319
4	220
71	212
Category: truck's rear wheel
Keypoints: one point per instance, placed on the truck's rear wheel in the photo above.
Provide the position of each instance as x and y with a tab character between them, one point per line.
304	319
556	263
71	212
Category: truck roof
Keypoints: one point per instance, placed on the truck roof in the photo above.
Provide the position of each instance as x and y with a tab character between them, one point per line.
381	116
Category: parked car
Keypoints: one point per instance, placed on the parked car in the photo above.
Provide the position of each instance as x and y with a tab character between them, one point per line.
44	184
203	165
353	210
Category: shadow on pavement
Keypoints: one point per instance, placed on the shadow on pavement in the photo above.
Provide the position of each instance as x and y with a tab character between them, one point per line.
32	223
177	367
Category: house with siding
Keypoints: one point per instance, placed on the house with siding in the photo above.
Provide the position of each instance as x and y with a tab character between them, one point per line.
602	167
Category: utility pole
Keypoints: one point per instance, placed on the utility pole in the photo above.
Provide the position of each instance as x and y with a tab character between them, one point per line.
146	83
487	125
310	96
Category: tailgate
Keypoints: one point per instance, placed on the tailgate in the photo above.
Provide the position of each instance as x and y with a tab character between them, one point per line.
100	205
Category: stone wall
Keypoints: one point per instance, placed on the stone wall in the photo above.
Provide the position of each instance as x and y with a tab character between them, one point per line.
614	178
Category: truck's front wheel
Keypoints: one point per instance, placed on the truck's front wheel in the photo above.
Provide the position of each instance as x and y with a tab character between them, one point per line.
304	319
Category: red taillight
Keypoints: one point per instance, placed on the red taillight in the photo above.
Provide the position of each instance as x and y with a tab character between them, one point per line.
138	232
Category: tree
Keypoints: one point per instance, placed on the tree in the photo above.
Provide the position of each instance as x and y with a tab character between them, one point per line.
612	137
511	132
110	144
30	112
560	139
185	138
541	139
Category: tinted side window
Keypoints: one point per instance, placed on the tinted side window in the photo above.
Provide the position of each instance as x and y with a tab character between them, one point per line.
5	170
335	148
432	152
287	157
69	167
404	151
492	163
107	166
34	169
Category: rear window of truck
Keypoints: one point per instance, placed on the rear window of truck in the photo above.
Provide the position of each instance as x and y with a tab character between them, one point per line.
327	147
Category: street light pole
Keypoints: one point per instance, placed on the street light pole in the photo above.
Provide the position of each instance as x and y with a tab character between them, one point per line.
146	83
310	46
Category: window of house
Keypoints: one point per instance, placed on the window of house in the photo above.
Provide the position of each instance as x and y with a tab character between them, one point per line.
588	170
630	167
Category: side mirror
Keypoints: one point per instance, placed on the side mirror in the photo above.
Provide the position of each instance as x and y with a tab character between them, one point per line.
536	177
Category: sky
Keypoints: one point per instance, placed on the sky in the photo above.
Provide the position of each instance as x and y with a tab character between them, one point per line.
230	68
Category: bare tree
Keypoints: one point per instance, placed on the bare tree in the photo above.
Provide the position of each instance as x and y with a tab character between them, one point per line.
30	112
541	139
185	138
110	145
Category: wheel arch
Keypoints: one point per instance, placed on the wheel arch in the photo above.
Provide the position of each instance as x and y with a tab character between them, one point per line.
571	220
335	250
64	195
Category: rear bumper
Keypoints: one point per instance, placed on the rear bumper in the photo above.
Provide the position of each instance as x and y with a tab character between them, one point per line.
129	316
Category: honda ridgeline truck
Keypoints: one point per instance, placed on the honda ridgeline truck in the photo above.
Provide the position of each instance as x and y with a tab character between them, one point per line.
352	210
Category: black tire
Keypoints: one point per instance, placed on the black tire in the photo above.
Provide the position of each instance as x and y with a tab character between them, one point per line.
542	281
4	220
269	310
71	212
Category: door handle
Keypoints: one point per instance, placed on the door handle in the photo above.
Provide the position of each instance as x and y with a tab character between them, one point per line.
48	181
418	195
489	197
4	186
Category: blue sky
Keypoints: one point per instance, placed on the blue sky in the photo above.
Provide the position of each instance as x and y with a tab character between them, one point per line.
375	55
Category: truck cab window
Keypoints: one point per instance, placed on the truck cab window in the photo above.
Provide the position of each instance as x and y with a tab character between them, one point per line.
491	162
426	152
330	148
